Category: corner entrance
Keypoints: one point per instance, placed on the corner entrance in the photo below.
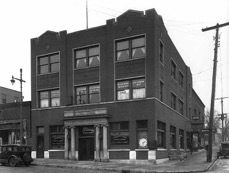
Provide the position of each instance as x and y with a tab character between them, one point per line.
86	143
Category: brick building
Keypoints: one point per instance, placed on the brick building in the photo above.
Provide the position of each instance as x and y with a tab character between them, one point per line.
120	91
9	96
10	122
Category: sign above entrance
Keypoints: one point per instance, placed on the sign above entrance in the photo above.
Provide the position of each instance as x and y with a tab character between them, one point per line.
90	112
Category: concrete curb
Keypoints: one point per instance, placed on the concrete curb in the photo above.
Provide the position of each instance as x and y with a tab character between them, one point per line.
123	170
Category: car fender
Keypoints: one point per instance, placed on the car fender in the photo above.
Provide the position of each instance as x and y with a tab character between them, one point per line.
17	159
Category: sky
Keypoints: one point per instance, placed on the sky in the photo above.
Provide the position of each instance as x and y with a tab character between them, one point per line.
23	20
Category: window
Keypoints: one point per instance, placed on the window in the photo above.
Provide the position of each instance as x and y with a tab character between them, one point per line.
161	92
161	52
57	137
130	48
3	98
49	64
87	94
188	136
161	134
181	138
181	107
49	98
142	133
131	89
181	79
172	137
87	57
15	99
173	69
119	133
173	101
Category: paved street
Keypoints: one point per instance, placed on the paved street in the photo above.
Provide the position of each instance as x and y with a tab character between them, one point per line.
41	169
220	166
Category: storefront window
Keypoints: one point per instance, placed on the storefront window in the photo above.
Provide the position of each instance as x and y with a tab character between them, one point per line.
142	133
161	134
120	133
57	137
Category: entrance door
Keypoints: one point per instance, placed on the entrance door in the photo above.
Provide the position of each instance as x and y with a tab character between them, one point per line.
86	149
40	146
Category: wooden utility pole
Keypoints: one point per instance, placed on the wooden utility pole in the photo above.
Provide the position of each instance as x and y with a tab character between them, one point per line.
222	115
209	151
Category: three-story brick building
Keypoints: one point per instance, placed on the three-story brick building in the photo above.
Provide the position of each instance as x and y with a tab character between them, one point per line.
119	91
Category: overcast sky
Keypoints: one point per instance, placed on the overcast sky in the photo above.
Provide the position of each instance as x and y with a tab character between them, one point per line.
25	19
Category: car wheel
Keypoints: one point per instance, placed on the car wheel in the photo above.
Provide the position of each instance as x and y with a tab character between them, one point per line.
12	162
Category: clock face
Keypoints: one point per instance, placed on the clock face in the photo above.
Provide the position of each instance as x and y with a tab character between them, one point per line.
143	142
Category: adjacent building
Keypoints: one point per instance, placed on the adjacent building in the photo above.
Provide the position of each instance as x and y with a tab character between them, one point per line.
120	91
9	96
10	123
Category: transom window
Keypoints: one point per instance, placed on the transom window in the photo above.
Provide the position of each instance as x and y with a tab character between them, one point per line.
49	64
130	48
49	98
87	57
87	94
131	89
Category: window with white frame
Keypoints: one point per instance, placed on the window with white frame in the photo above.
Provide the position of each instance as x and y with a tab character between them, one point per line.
131	48
50	98
87	57
49	63
130	89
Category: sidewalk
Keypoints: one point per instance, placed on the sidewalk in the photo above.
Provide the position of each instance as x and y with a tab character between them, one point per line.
195	163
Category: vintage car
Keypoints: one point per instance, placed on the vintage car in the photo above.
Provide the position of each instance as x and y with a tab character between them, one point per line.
224	150
14	154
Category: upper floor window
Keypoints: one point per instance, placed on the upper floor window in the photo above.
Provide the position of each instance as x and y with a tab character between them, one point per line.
131	89
173	101
130	48
181	107
173	69
161	52
49	64
181	79
87	94
49	98
161	92
87	57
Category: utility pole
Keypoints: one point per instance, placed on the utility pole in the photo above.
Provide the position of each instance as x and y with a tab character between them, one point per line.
222	115
209	151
